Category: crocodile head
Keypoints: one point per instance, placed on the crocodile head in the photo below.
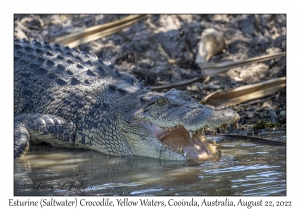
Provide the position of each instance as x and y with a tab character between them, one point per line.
170	126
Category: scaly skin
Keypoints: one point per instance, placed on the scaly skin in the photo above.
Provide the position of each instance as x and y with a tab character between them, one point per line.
70	98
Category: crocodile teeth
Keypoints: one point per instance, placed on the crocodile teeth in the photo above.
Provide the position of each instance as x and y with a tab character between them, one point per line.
191	134
203	130
236	125
185	154
224	127
199	133
214	131
180	150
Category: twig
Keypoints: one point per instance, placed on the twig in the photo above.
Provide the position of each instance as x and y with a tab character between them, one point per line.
211	69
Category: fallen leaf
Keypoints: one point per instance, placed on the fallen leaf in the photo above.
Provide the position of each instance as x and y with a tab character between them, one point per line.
245	93
97	32
212	69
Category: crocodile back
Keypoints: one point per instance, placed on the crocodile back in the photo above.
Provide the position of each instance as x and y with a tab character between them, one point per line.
55	79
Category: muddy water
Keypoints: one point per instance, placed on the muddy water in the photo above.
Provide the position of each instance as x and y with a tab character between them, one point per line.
246	168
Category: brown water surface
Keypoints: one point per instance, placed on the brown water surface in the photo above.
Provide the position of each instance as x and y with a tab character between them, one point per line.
246	168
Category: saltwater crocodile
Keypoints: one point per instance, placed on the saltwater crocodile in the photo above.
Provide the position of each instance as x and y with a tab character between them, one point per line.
70	98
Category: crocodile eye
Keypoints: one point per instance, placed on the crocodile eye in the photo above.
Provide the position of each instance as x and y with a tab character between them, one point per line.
161	101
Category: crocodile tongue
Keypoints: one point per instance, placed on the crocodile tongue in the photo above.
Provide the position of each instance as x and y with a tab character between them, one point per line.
196	147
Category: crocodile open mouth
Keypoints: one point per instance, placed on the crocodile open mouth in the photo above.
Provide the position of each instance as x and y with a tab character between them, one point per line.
193	145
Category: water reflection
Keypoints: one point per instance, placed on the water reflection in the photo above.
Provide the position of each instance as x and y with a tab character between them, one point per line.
246	168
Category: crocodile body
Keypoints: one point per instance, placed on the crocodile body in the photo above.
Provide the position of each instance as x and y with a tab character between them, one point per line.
70	98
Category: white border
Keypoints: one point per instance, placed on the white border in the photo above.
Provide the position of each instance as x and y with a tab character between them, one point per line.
8	8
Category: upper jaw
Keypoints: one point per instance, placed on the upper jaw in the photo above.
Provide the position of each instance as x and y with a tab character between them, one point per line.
209	118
